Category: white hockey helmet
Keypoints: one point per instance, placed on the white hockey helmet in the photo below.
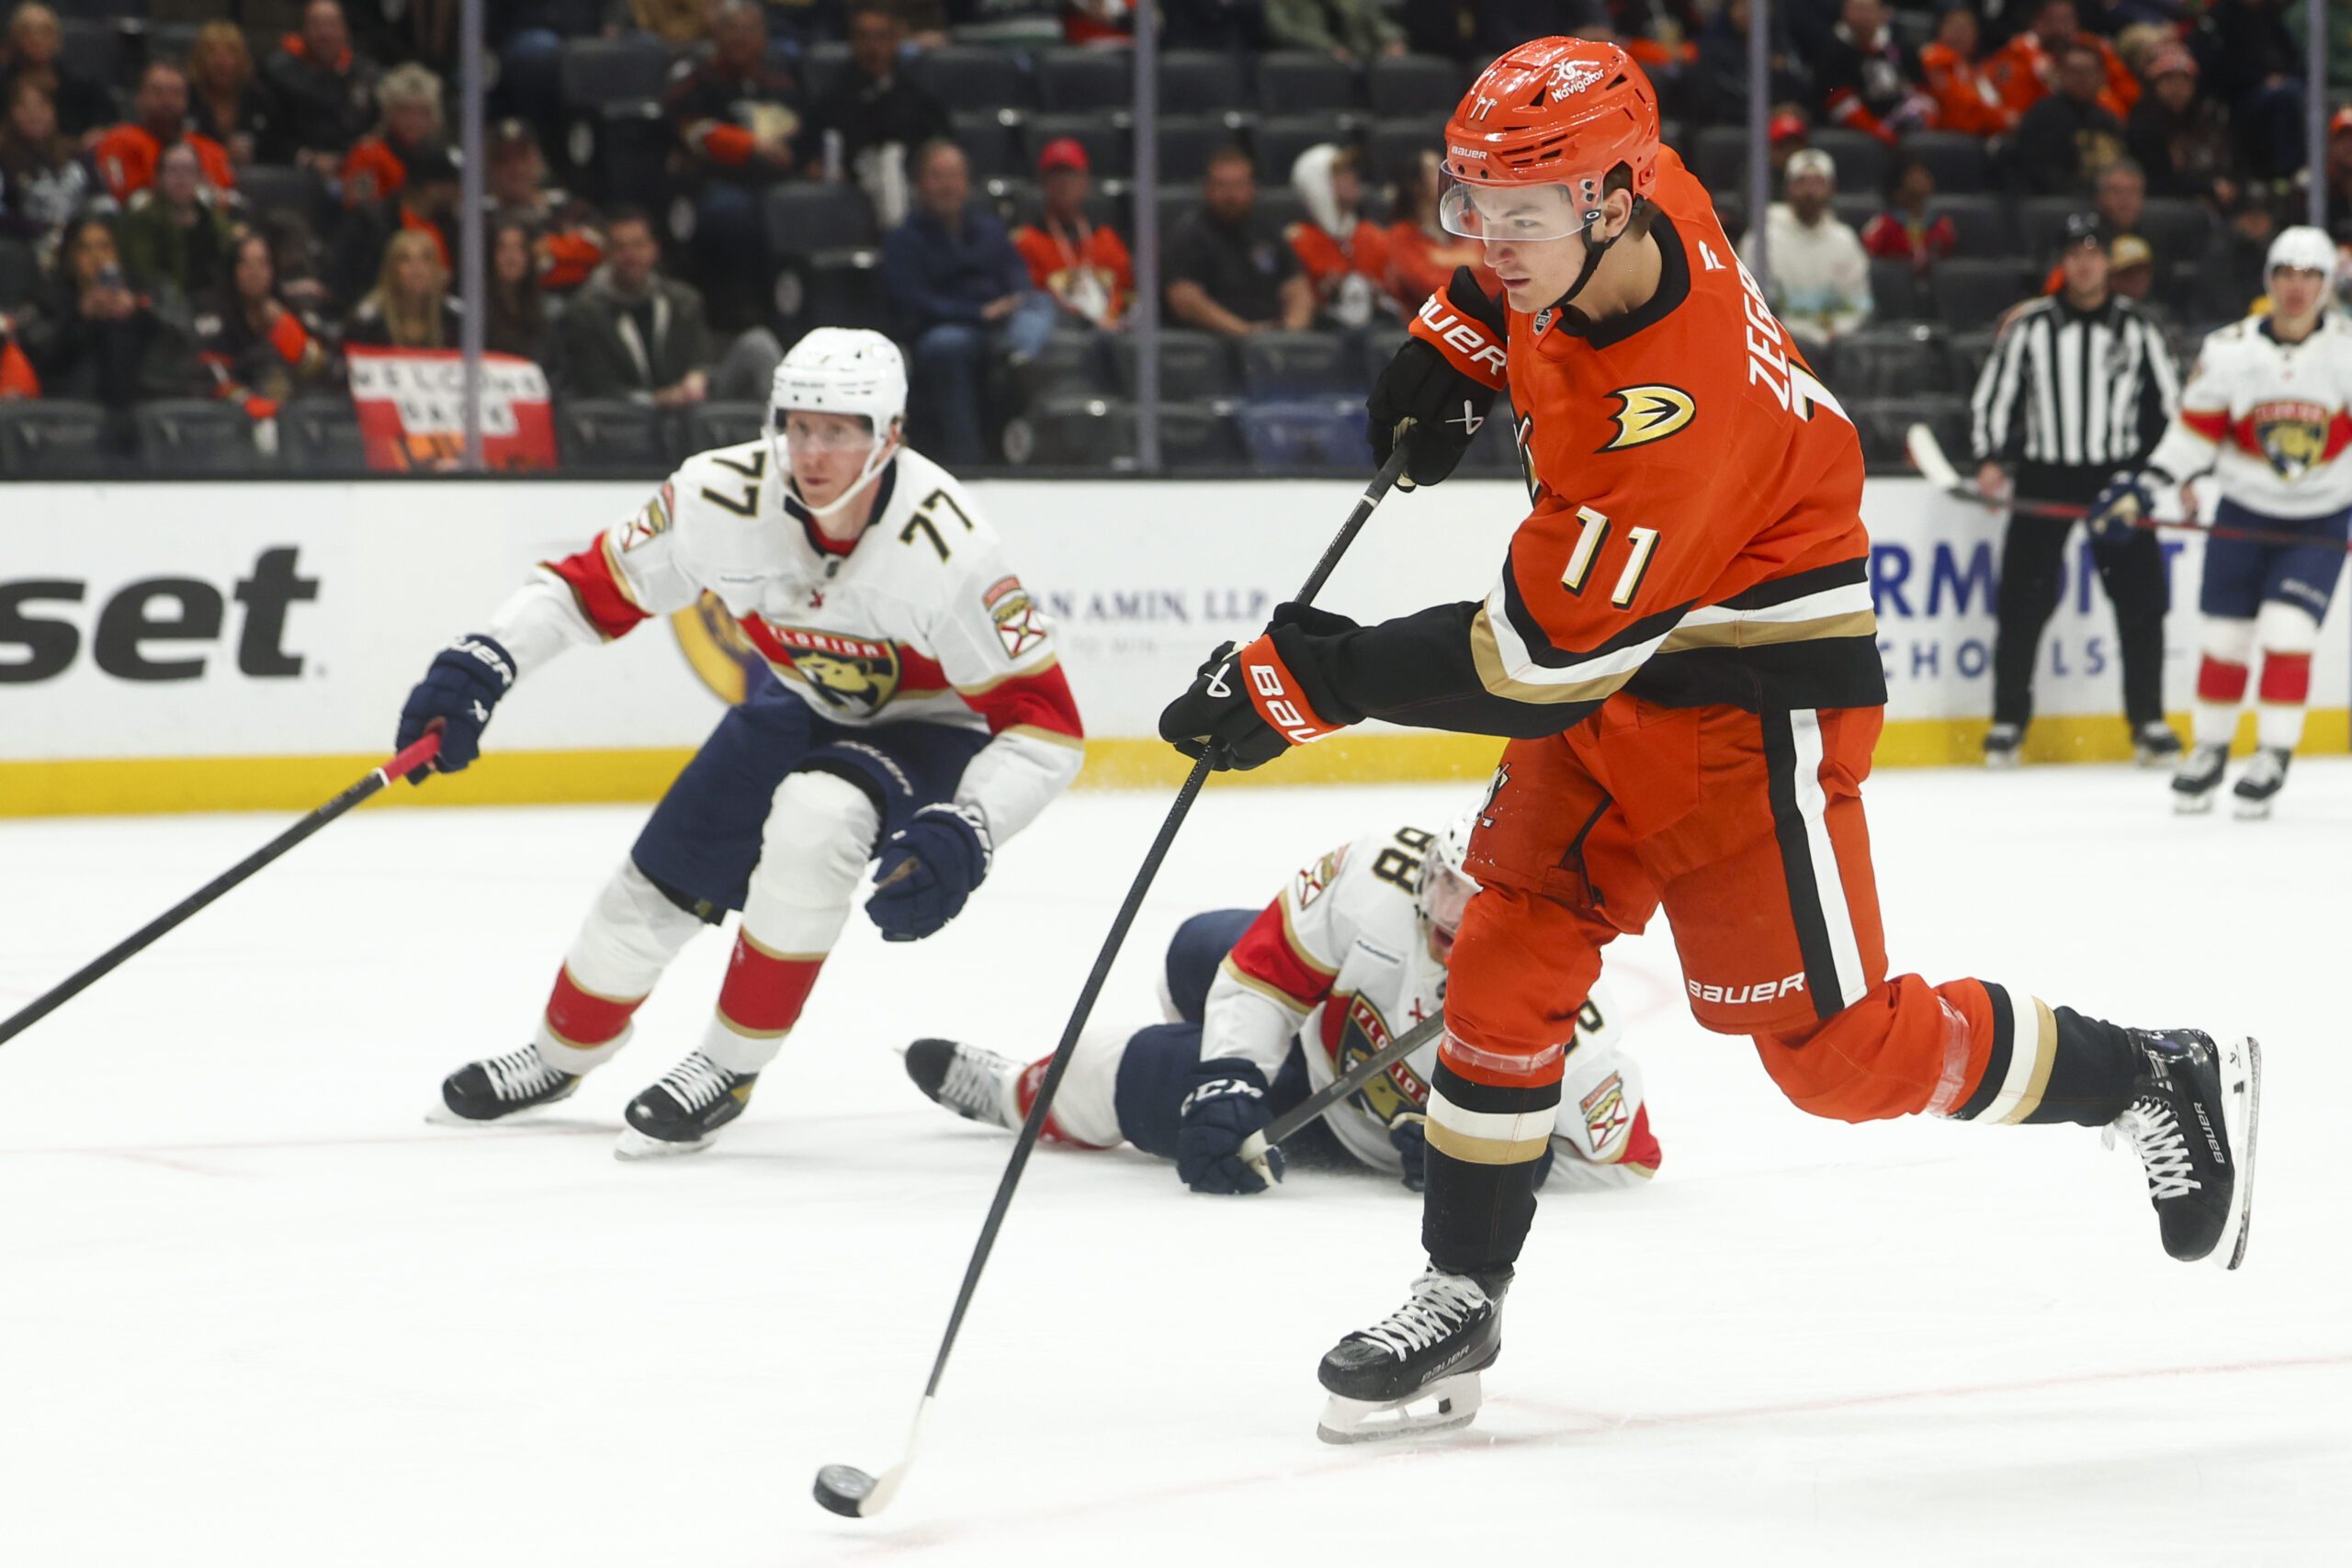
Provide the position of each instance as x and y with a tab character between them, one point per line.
1446	888
2304	248
842	370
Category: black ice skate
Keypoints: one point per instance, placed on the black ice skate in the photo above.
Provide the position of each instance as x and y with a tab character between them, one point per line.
681	1114
2198	775
978	1085
2004	746
2263	778
1427	1353
2192	1120
2154	745
499	1087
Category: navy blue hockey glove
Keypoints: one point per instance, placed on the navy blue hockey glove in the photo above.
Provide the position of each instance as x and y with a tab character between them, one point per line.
1226	1105
1409	1136
460	687
2128	497
1424	399
928	868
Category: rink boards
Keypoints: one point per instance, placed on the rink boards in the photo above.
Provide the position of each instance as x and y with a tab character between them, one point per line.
182	647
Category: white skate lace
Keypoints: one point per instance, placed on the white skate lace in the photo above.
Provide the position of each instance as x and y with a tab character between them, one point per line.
973	1085
519	1075
1440	1303
2155	1134
697	1081
2202	761
2263	771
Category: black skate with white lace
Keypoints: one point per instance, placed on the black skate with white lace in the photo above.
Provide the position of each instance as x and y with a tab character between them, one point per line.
500	1086
680	1115
2192	1120
977	1084
1415	1369
2198	775
2265	776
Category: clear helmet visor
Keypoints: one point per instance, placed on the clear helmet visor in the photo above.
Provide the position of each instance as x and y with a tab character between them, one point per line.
1507	214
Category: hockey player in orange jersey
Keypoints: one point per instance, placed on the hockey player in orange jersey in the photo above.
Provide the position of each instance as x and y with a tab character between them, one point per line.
1681	646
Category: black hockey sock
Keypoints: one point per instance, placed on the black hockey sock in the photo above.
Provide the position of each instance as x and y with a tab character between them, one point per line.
1474	1218
2092	1073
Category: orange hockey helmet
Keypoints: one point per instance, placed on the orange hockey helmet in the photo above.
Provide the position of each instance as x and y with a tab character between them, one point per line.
1559	111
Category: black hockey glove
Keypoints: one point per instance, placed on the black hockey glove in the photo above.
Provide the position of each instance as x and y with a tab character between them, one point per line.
461	685
1218	714
1409	1136
1228	1104
928	868
2128	497
1424	399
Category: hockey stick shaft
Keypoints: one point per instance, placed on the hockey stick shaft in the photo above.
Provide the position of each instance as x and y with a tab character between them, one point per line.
1292	1121
105	963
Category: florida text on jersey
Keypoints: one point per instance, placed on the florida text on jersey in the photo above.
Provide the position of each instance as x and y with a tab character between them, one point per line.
2270	419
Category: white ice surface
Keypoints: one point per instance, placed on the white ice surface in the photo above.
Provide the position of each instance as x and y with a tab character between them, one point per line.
253	1312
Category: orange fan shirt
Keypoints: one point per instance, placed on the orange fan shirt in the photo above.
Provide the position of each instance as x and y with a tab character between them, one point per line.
127	155
1965	97
1326	260
1055	262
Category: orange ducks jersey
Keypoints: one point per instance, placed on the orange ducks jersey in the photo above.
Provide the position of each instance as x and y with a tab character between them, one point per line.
1695	534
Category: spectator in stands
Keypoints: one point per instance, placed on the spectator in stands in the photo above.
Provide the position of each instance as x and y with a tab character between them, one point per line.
176	232
1786	134
325	92
1862	78
2181	139
2121	198
259	351
2231	276
963	292
1965	97
1231	26
1083	266
1905	231
681	24
518	320
736	117
2132	274
411	306
105	336
2065	141
2253	65
226	102
1343	255
869	107
1720	73
565	236
529	37
1421	254
297	261
632	333
1820	276
1222	274
2337	172
34	39
1348	30
377	165
425	205
2032	66
17	378
127	155
1088	23
43	180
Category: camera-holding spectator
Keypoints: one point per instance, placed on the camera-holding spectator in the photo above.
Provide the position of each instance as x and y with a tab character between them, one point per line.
1223	273
964	293
377	165
736	117
105	336
2067	140
2253	65
43	178
325	92
1421	254
1083	266
411	306
1905	231
425	205
35	39
260	351
2181	139
2032	65
870	107
1863	79
225	102
1821	275
1349	30
127	155
520	318
565	235
1343	255
1966	98
175	230
632	333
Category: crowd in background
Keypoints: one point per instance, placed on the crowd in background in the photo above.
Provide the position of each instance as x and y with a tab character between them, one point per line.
216	201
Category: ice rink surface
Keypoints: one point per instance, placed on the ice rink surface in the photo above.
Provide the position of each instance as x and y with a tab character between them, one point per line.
253	1310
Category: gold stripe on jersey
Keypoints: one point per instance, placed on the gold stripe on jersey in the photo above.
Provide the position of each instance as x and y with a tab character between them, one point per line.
1297	948
2029	1075
1479	1137
1035	732
981	688
613	570
1486	656
1760	633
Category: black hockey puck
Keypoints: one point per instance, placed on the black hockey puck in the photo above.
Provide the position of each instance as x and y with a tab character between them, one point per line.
843	1489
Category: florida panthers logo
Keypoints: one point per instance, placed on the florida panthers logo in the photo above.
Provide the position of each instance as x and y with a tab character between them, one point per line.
2292	435
853	675
1362	1033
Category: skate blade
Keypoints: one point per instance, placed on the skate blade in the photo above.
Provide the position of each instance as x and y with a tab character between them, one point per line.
2241	1117
2251	810
1443	1405
633	1145
2192	805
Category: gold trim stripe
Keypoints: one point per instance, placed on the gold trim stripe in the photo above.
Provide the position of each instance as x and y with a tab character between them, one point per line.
2045	1056
1485	1151
1038	732
1488	660
1761	634
764	951
983	687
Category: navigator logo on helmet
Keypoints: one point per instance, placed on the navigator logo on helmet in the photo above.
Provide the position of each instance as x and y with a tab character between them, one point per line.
1559	112
841	370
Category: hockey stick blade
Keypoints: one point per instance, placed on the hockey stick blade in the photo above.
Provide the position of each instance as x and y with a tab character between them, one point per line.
1928	456
846	1490
1290	1122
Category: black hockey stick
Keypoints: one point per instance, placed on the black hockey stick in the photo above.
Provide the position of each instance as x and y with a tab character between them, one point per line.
1254	1147
847	1490
105	963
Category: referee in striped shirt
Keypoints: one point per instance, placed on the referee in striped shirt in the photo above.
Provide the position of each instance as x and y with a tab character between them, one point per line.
2079	386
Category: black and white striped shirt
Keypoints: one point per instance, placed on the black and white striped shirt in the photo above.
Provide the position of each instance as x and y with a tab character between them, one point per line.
2074	389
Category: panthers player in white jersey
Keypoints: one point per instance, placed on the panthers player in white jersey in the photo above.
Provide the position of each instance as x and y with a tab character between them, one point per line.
2267	412
912	704
1267	1006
